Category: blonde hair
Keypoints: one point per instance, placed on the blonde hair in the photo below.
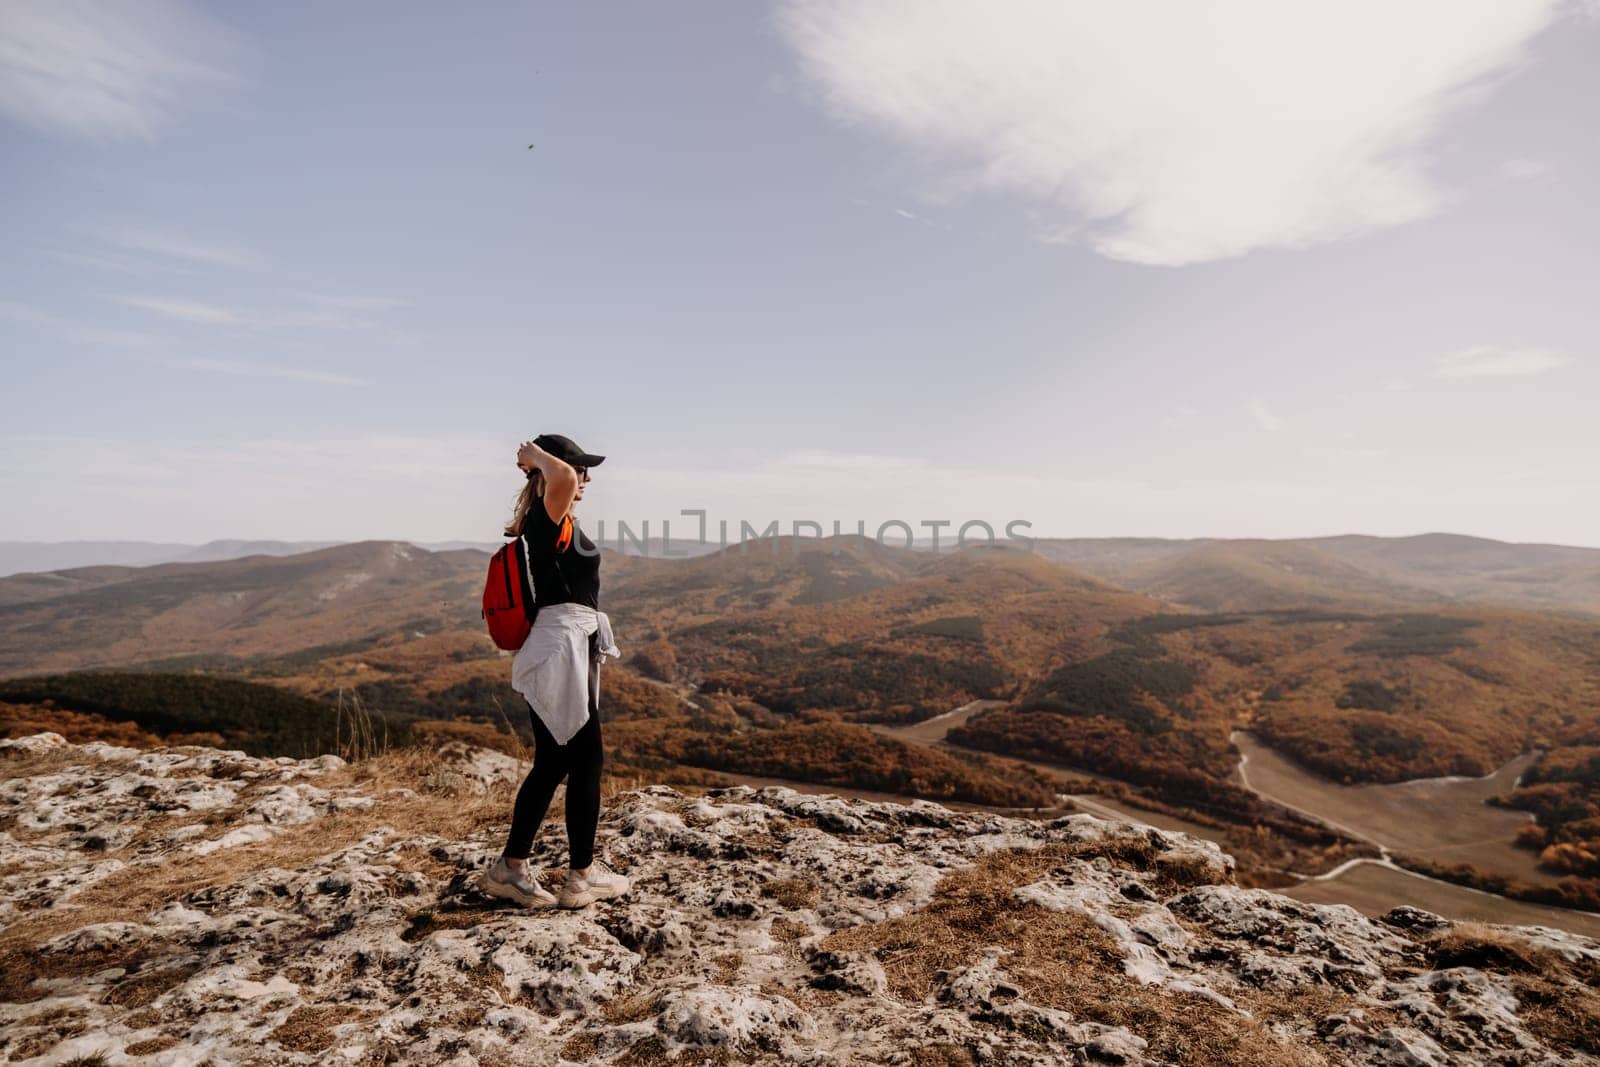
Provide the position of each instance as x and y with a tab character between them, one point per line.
532	490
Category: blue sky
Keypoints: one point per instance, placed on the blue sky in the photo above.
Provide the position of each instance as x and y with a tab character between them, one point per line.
292	271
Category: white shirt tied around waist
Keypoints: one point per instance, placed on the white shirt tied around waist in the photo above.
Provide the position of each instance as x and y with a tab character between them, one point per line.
551	669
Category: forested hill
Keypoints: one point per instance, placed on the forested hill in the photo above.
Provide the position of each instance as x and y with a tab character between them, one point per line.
1351	572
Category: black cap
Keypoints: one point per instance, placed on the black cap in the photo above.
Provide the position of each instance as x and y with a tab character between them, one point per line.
567	449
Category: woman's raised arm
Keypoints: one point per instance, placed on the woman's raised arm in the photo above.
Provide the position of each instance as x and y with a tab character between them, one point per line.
560	480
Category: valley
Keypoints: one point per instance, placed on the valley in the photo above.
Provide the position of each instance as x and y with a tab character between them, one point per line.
1418	813
1372	724
1441	819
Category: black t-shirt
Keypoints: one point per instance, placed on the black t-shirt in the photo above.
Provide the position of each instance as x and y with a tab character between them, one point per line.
561	573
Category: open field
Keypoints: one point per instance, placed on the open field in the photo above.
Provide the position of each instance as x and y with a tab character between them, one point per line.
1373	887
935	729
1440	819
1433	817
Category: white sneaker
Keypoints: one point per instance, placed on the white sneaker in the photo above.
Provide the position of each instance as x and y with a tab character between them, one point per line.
502	880
601	883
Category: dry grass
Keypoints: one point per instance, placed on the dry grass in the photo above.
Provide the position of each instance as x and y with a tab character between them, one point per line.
1469	944
488	980
1061	960
141	989
24	961
582	1047
633	1008
57	1017
456	916
79	727
357	735
793	893
133	892
423	862
142	1019
18	763
310	1029
38	1044
1565	1016
151	1046
941	1054
1559	1002
1170	872
726	968
652	1052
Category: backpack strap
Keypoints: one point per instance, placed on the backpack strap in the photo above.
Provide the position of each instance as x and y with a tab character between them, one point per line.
527	550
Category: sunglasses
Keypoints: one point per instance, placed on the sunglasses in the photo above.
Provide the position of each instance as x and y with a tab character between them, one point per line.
583	472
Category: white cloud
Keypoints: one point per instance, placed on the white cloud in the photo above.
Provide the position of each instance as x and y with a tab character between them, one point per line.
99	68
354	303
1180	415
329	314
20	312
72	331
111	260
250	486
248	369
1526	169
1180	133
1264	418
1396	384
185	310
1486	361
181	246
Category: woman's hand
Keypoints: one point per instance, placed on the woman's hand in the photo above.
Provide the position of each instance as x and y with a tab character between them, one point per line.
528	456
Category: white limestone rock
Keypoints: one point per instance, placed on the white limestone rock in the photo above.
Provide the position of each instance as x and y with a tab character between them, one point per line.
355	955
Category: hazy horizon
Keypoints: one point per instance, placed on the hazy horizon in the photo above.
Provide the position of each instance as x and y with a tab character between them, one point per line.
893	538
296	269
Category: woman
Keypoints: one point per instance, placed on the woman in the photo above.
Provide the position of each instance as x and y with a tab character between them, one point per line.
557	671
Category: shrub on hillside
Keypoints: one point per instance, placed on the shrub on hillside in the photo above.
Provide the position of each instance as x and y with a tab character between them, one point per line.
858	678
656	659
959	627
1118	685
1418	635
259	719
836	753
1168	767
1369	694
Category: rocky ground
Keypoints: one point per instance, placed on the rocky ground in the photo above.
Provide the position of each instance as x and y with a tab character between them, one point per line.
189	906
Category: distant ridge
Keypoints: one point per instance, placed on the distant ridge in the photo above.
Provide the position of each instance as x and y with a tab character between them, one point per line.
31	557
38	557
1353	571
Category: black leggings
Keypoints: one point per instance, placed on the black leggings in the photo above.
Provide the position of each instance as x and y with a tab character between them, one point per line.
578	761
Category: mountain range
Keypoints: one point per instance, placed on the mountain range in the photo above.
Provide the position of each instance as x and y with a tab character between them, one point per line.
789	658
21	557
1351	571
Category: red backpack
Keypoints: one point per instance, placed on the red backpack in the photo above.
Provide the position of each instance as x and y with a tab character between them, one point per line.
507	600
